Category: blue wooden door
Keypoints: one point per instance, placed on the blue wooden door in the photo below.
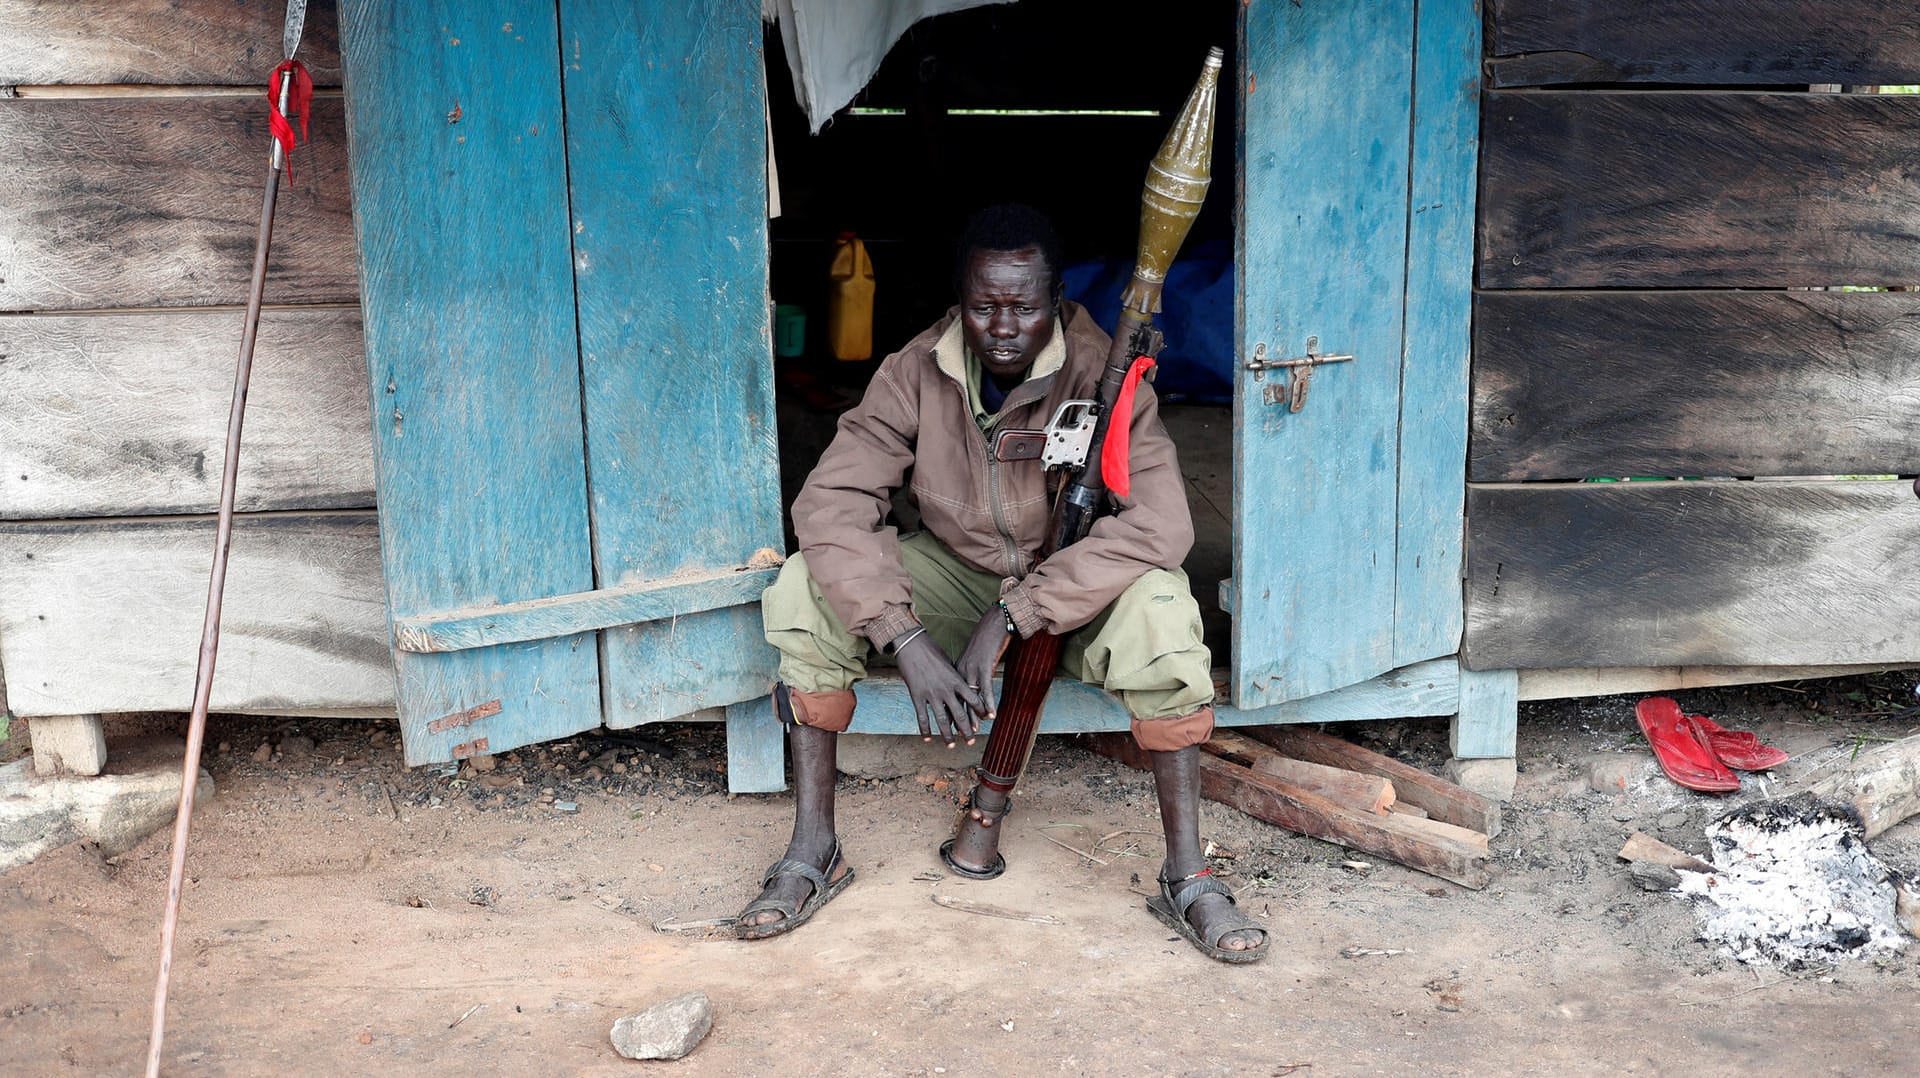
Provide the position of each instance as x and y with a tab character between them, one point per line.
1358	136
562	229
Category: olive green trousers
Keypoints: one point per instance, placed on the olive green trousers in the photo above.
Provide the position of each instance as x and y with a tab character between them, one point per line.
1146	647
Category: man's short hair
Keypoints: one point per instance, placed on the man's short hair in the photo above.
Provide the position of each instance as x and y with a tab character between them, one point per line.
1008	226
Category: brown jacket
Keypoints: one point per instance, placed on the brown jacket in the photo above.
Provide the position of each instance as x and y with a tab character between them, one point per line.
917	416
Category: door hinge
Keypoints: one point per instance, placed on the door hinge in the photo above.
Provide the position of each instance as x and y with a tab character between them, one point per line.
1300	368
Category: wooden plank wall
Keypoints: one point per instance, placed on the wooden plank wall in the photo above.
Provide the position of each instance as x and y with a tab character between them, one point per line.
133	143
1660	258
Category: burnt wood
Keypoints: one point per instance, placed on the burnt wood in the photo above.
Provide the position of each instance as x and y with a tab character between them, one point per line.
1581	385
1788	573
126	414
1768	42
1625	190
163	42
155	202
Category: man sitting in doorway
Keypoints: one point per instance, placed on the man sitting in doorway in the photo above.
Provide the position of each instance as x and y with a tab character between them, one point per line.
1008	355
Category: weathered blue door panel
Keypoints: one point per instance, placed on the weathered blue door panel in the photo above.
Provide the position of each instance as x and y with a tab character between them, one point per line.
667	164
1433	381
460	208
1325	113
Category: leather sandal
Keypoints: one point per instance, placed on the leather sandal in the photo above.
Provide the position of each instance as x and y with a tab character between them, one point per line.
791	916
1177	896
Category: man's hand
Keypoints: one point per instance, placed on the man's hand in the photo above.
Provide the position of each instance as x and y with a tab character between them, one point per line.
984	648
942	699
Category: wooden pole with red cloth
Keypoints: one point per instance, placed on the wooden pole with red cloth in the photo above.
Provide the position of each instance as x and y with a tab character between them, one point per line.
289	94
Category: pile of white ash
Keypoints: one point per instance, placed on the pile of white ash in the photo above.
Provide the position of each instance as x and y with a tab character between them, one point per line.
1795	884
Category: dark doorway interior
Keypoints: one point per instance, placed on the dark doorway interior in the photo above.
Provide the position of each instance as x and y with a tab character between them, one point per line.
1055	105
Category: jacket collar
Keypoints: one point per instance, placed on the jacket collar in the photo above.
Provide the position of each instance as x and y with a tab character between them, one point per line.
950	355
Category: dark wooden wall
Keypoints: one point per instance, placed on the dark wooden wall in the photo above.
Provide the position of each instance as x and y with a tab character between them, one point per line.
1668	214
133	145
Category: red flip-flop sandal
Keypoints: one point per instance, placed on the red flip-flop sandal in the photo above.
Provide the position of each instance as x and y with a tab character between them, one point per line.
1738	748
1681	747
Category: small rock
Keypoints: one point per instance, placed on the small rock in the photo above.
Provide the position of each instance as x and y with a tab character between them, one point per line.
293	743
264	753
1673	821
225	747
1492	779
1653	877
619	769
482	762
666	1030
1624	813
1618	772
593	774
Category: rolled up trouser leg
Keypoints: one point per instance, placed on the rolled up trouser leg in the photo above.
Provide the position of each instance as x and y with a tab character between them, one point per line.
1148	649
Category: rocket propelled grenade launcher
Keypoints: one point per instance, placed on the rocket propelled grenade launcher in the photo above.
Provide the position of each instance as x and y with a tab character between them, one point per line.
1082	438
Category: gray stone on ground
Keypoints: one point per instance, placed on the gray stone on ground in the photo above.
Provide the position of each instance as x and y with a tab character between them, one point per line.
891	756
117	810
666	1030
1620	772
1493	779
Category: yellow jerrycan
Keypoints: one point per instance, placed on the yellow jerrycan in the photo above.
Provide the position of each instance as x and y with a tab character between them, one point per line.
850	300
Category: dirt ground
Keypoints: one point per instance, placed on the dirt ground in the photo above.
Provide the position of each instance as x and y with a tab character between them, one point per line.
348	916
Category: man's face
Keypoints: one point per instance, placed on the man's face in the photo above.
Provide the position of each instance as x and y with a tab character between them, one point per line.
1006	309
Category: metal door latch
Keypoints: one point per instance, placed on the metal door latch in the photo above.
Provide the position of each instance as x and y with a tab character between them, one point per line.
1294	390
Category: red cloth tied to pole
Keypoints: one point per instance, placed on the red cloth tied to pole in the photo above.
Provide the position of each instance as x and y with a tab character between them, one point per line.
299	100
1114	452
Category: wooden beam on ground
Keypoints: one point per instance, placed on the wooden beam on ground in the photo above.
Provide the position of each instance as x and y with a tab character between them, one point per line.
1441	799
1883	785
1370	793
1792	573
1689	190
1403	839
1644	847
1609	384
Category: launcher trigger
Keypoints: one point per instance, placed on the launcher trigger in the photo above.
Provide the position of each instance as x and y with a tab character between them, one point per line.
1065	440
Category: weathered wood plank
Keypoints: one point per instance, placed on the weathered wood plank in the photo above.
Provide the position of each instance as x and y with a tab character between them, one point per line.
1695	383
1488	722
563	615
1327	161
668	183
1624	190
126	414
472	354
1438	345
1562	683
1406	839
163	42
1541	42
1441	799
105	616
1642	574
155	203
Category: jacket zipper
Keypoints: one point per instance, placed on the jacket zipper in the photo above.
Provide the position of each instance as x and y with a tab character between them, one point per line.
999	516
